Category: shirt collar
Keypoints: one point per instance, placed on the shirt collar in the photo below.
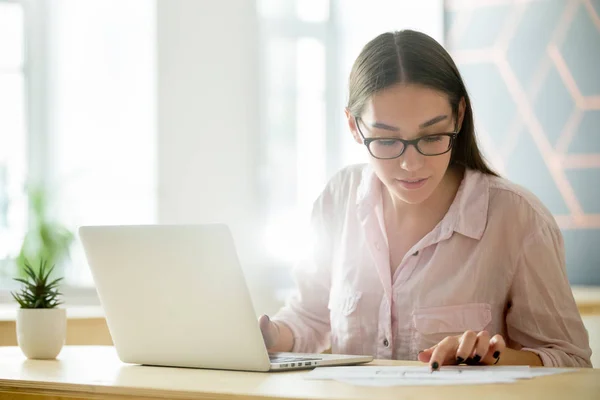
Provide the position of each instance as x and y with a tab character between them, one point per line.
467	214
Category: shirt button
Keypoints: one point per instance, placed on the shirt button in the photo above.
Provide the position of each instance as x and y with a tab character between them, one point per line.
377	246
386	343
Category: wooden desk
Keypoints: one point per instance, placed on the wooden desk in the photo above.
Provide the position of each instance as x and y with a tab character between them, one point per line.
92	372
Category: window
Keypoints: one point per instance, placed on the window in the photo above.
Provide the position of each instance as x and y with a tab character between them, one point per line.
13	127
101	124
308	49
77	113
294	37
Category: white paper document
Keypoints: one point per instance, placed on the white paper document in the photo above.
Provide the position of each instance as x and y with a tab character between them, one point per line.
422	376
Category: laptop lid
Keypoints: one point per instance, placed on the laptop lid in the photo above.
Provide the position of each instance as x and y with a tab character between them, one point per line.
175	296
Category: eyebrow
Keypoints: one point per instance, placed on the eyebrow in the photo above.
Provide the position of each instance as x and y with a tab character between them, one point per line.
425	124
384	126
433	121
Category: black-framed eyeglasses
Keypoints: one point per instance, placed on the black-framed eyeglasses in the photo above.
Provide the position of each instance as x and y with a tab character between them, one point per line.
389	148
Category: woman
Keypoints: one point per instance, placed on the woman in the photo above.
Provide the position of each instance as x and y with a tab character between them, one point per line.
426	253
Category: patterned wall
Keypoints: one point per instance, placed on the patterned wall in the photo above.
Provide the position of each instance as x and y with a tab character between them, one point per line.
533	71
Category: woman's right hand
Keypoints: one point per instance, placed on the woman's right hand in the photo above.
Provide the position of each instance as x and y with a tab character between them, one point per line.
277	336
270	331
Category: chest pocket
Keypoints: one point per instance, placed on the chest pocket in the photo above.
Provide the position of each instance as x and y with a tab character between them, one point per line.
435	323
345	319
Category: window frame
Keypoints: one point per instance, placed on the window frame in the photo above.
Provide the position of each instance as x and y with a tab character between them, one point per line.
37	115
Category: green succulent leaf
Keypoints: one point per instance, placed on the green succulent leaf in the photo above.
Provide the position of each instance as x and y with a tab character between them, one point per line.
37	291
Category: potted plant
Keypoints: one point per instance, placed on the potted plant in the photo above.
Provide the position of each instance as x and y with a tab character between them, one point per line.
41	325
45	239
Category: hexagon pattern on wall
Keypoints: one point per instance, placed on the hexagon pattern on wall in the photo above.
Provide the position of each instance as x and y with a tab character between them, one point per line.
535	88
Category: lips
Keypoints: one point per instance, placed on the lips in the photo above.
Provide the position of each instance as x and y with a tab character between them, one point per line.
412	183
413	180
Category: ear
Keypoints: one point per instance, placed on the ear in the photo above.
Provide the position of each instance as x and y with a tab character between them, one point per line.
352	126
462	105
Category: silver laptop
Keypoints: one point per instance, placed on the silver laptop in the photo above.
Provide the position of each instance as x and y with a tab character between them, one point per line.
176	295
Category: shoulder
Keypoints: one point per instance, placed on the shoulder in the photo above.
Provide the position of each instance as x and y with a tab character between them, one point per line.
518	207
350	175
339	196
346	182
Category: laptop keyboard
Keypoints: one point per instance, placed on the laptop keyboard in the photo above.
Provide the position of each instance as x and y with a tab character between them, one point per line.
279	359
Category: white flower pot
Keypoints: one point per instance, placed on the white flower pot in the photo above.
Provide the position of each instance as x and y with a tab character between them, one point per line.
41	333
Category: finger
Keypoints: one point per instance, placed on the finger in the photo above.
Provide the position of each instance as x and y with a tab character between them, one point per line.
495	349
466	347
425	355
481	346
263	322
444	353
269	331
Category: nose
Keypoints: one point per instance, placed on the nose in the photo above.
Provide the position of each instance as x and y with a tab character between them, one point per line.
411	160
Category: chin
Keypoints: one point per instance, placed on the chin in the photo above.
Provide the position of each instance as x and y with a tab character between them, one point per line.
413	197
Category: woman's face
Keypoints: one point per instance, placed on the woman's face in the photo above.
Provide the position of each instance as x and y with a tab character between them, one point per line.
408	112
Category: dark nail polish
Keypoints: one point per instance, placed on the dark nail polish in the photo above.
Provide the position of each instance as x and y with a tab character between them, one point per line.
496	354
435	365
477	358
460	360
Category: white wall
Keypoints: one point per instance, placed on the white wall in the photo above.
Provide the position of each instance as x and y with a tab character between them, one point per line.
208	116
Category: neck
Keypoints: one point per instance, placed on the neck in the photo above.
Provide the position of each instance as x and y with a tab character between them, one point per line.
436	206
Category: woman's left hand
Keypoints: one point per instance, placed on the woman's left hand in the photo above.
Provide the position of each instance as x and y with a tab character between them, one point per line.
471	348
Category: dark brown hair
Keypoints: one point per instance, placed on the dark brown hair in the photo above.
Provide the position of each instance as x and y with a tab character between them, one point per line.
413	57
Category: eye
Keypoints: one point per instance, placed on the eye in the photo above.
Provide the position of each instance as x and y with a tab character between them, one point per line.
432	139
387	142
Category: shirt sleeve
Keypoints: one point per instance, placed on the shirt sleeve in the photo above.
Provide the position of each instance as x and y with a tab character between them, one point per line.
543	316
306	312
